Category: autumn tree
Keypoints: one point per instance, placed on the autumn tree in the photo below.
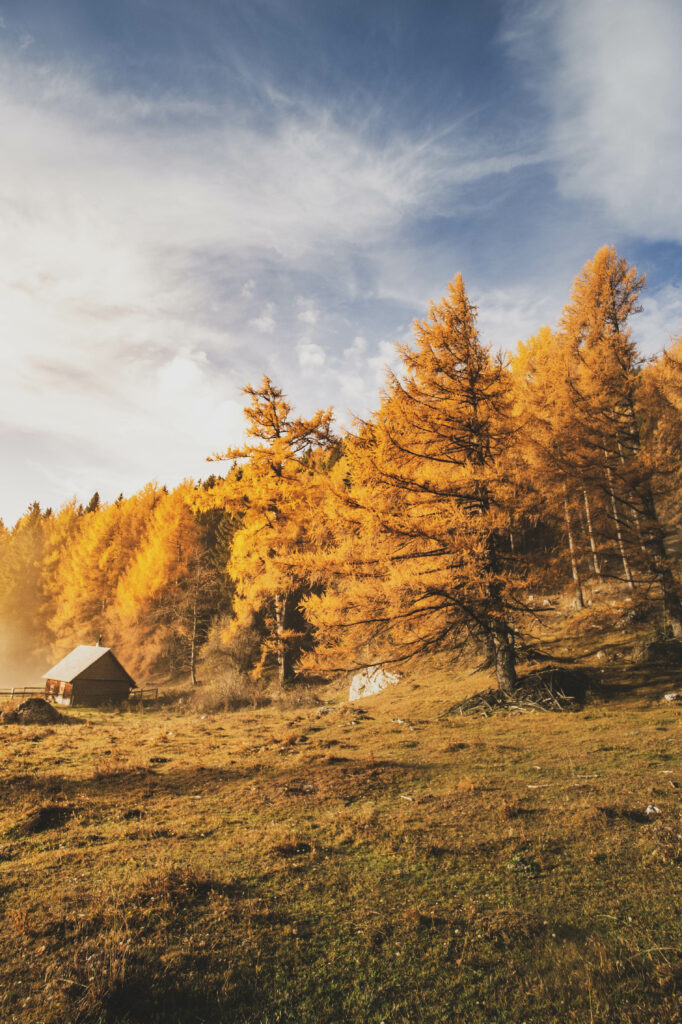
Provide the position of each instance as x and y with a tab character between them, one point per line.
92	562
659	410
159	598
22	596
272	492
421	557
549	432
605	387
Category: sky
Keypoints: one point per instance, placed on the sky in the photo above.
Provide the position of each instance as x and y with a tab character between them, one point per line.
197	192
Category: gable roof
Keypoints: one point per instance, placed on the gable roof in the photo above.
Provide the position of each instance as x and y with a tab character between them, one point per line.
81	659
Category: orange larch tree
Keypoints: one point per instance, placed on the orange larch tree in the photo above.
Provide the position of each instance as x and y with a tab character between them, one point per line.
96	557
605	386
272	491
420	556
545	408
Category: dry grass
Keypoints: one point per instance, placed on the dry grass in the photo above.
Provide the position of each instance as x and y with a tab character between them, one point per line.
231	690
357	865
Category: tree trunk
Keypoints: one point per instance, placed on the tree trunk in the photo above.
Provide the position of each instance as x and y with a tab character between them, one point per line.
571	547
280	640
653	545
633	511
590	534
616	519
505	659
660	563
490	652
497	629
193	644
671	599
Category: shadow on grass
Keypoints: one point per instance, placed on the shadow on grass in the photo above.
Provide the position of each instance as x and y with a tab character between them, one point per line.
330	778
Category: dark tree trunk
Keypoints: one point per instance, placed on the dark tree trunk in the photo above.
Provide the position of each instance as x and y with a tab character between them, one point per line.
505	659
280	640
193	644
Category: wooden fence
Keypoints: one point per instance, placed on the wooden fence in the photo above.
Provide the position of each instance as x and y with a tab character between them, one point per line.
21	691
141	695
136	696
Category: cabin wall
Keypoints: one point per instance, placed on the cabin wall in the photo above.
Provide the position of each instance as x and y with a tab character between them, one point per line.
99	691
58	691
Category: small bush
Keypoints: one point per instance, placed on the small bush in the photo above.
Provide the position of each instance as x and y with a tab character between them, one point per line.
231	691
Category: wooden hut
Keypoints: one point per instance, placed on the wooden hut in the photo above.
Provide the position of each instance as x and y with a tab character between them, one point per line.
89	675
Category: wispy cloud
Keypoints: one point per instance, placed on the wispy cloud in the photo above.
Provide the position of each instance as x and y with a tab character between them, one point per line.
138	233
161	249
608	73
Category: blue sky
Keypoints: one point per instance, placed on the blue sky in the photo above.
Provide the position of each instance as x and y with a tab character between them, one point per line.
194	193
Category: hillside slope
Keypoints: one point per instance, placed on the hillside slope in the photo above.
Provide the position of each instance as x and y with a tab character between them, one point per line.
348	863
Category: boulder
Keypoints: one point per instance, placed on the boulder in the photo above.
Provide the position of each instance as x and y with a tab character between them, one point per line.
369	681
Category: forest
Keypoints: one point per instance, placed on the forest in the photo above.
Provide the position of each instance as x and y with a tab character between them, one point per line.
481	481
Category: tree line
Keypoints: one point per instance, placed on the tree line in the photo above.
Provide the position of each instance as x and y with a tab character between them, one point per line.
480	481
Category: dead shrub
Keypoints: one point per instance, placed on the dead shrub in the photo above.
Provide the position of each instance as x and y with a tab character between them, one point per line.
298	696
424	920
173	884
292	849
231	691
511	809
117	766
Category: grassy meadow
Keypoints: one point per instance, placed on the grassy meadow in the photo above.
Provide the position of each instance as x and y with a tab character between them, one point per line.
331	862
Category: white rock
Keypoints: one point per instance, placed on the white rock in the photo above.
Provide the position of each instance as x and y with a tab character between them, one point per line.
370	681
651	811
672	698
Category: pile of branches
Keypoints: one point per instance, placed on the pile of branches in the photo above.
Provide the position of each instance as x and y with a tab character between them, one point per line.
547	689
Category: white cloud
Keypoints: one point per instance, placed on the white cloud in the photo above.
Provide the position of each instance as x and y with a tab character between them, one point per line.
265	322
136	232
660	321
310	355
355	352
308	311
507	316
609	74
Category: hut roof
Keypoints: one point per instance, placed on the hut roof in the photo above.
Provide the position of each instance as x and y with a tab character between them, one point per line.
83	658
